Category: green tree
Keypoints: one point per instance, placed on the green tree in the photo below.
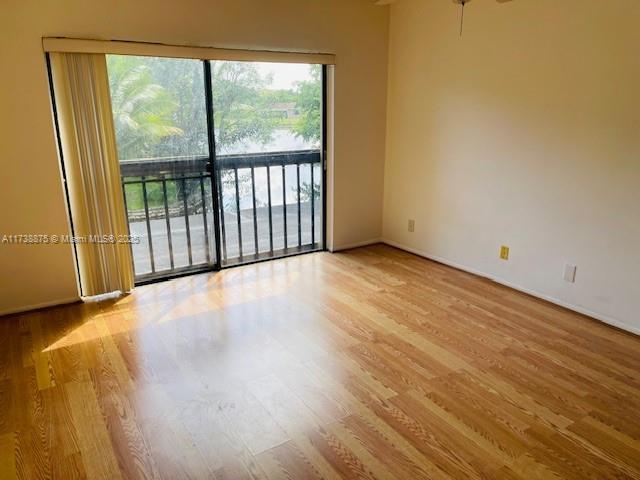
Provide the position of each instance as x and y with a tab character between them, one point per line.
159	110
305	191
241	105
142	109
184	80
309	103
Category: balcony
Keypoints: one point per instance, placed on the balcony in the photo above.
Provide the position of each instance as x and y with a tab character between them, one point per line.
269	206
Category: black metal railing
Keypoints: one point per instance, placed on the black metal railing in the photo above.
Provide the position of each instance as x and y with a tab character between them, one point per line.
170	208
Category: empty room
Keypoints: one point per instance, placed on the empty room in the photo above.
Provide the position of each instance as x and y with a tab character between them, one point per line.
320	239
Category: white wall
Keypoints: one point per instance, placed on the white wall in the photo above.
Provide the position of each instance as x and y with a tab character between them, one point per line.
31	198
525	132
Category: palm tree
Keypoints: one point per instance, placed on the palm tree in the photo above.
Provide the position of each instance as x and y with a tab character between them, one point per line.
142	110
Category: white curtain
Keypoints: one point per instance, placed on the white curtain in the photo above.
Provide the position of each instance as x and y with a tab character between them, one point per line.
83	104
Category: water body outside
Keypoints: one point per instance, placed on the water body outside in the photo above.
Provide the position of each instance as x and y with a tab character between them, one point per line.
282	141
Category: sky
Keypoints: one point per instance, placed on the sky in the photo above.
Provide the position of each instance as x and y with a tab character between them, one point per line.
285	74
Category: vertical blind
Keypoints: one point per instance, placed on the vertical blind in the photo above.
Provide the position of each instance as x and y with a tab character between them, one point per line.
89	153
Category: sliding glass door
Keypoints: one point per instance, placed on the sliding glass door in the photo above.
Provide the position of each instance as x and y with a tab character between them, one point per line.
268	137
221	162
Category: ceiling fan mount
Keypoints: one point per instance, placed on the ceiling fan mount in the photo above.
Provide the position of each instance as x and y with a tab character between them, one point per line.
462	3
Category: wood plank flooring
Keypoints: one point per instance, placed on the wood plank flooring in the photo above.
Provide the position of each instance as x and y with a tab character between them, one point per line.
372	363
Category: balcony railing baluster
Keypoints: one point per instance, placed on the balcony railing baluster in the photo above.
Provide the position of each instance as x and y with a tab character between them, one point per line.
205	223
299	211
148	221
284	203
235	171
222	222
255	211
126	211
168	220
313	212
270	212
186	218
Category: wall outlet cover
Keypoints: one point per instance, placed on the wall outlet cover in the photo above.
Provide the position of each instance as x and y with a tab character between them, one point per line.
504	252
412	226
569	273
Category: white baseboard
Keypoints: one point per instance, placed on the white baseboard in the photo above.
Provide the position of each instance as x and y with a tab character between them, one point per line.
36	306
595	315
576	308
371	241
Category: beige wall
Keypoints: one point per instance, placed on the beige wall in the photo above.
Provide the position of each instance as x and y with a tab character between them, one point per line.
526	132
31	198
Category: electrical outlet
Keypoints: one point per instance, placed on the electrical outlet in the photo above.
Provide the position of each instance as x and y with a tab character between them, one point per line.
504	252
412	226
569	273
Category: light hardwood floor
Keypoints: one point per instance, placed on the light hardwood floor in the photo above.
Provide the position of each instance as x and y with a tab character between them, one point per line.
372	363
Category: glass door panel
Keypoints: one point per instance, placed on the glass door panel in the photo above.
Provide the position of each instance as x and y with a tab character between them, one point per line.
160	119
268	140
264	121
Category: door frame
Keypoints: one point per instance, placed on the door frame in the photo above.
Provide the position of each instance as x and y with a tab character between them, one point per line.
215	179
323	173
